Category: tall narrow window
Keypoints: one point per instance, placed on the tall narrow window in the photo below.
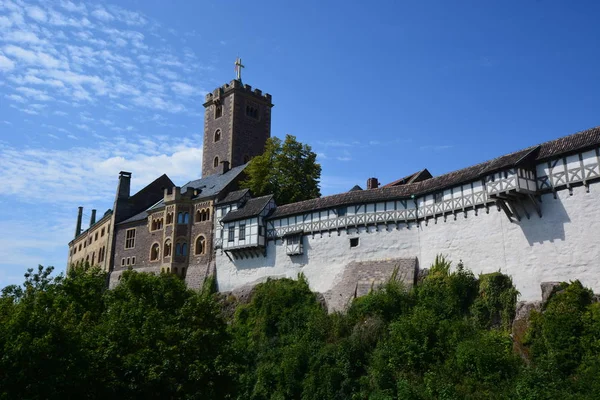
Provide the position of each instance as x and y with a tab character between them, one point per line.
200	245
181	249
218	111
130	238
167	251
242	231
217	135
216	162
231	236
198	216
186	218
154	252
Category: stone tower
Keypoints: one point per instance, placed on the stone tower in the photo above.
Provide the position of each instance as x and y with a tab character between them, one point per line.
237	123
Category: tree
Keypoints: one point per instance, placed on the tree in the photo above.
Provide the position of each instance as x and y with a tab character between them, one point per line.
288	170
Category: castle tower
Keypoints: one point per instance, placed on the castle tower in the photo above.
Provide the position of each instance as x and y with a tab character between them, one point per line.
237	123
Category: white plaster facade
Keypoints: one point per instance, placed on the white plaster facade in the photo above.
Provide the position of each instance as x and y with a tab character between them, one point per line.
464	222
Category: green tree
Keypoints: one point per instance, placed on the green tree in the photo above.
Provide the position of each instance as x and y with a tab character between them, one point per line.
288	170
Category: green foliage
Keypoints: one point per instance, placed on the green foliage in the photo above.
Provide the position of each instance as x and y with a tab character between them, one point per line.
288	170
496	304
151	337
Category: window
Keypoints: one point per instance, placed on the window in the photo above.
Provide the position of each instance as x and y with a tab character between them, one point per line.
218	111
216	162
293	244
132	260
252	112
93	258
102	233
156	224
231	236
181	249
122	261
353	242
260	230
130	238
200	245
217	135
169	218
242	231
183	218
154	252
437	197
342	211
96	236
167	248
128	261
79	246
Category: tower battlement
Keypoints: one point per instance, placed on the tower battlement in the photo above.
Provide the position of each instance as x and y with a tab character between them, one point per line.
232	86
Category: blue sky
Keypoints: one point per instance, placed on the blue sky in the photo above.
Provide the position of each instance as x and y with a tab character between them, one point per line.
379	89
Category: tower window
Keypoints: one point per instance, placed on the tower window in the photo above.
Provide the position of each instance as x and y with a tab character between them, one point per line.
217	135
218	111
252	111
216	162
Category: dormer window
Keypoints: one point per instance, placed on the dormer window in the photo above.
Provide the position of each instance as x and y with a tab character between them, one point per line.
217	135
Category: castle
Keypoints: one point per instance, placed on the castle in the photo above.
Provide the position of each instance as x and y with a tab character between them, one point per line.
533	214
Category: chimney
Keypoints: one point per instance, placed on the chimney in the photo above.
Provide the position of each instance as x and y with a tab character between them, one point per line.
93	218
123	191
78	226
372	183
224	167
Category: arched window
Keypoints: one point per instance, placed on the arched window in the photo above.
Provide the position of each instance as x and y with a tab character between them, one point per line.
180	218
186	218
208	214
217	135
169	218
181	249
167	248
198	216
218	111
216	162
154	252
199	248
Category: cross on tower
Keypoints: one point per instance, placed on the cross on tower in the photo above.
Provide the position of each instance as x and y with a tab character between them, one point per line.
238	69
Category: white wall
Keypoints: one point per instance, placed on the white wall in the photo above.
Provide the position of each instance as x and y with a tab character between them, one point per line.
563	245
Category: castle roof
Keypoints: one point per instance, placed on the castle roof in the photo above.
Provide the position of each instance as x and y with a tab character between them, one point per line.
412	178
208	187
252	208
234	197
563	146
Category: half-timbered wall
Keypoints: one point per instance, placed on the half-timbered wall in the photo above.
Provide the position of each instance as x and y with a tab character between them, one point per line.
462	222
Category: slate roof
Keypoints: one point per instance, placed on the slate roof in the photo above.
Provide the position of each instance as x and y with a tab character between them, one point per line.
209	187
234	197
565	145
252	208
415	177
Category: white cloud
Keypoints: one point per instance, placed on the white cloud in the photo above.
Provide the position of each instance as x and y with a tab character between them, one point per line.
6	64
22	37
36	13
33	93
102	14
38	58
184	89
16	97
72	7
